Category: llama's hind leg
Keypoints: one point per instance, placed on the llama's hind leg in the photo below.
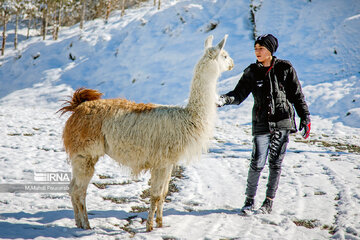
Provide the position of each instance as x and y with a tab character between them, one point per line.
83	170
74	204
159	186
164	191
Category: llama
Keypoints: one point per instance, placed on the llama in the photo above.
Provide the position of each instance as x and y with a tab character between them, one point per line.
143	137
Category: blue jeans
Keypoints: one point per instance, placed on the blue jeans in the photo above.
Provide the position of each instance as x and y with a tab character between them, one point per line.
271	146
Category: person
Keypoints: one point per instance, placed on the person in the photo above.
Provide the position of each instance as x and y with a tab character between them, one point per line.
276	90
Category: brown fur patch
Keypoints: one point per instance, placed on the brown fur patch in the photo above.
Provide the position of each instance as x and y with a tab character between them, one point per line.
80	95
82	133
127	105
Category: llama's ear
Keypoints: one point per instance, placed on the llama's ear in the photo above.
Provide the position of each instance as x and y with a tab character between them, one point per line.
208	41
216	50
221	44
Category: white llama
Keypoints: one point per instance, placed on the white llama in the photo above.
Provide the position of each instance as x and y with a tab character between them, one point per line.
141	136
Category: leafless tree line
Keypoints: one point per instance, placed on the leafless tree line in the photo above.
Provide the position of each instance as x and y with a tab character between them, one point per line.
48	16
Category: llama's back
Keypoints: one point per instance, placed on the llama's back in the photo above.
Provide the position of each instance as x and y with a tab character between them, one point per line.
83	134
153	138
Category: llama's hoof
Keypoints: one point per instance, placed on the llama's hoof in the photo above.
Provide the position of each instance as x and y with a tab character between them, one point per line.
83	226
86	227
149	227
159	223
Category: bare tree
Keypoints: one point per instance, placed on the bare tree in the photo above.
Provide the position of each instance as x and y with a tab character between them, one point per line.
29	26
57	18
45	12
16	27
123	7
6	8
159	3
4	18
18	8
108	10
82	15
29	10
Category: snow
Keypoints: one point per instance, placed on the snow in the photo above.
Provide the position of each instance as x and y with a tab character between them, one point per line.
148	56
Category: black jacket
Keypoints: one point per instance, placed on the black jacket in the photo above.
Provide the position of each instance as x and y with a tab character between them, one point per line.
276	91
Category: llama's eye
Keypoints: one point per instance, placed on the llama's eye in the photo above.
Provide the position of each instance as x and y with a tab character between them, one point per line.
225	57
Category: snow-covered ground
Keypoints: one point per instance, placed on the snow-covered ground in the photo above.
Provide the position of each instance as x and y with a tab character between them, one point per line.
148	56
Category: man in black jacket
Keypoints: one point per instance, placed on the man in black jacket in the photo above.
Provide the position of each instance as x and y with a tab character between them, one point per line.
276	90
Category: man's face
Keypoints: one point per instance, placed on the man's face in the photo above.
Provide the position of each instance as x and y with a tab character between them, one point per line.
262	53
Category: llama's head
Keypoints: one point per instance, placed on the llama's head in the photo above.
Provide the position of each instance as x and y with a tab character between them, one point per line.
219	54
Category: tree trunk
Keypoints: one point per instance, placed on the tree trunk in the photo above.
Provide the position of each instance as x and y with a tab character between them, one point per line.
4	33
99	10
16	29
82	18
123	7
29	25
55	24
44	22
159	2
108	10
59	20
35	24
54	27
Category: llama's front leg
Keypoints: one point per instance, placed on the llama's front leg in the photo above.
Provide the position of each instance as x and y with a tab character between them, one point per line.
157	179
159	212
164	191
151	214
160	178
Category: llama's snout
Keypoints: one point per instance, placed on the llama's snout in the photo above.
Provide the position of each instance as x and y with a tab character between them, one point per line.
231	66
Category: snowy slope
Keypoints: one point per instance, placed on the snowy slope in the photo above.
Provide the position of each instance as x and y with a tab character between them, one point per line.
148	56
146	52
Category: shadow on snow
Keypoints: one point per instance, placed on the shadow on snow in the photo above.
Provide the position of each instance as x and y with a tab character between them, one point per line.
43	222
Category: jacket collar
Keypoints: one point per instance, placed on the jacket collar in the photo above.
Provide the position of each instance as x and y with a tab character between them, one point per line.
273	62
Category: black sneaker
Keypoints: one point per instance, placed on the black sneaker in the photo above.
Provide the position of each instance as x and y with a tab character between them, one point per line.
248	205
266	207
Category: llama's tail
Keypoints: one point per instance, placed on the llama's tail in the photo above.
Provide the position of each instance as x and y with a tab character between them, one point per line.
81	95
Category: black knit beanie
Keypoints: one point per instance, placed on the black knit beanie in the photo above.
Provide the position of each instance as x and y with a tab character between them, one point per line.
268	41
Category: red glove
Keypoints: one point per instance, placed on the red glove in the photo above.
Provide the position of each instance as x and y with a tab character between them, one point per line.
305	125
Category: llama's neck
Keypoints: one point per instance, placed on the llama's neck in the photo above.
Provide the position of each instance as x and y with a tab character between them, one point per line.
203	91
